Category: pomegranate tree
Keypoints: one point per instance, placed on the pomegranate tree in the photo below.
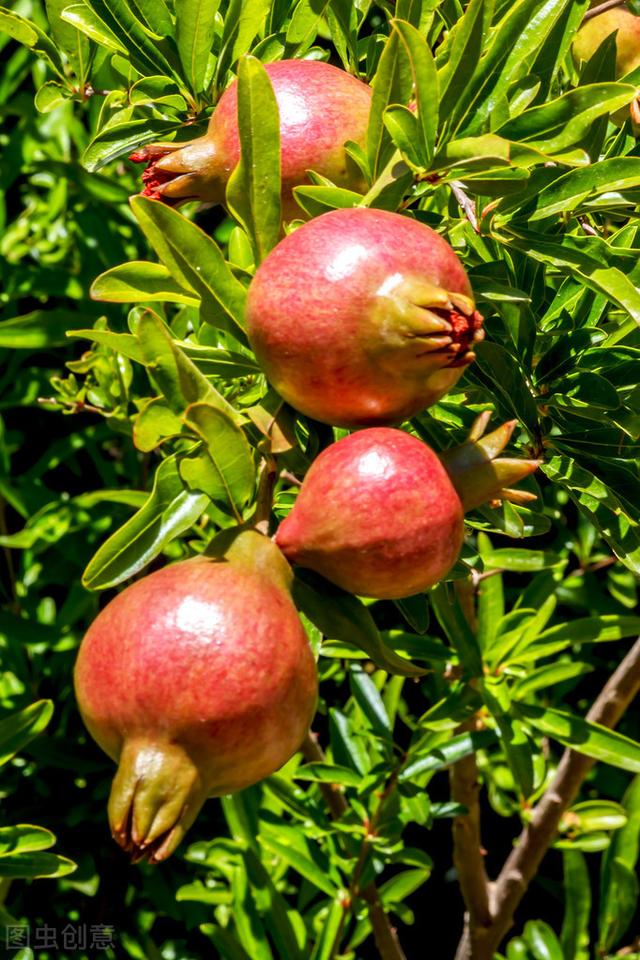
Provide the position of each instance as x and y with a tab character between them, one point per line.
321	107
198	681
362	317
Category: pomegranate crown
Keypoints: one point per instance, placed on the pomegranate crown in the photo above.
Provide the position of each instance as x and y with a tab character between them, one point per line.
478	472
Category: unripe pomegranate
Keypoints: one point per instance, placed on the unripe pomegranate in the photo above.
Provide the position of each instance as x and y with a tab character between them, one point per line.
197	680
362	317
594	31
321	107
381	515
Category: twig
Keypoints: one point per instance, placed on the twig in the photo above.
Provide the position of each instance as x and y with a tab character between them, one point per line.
264	500
464	203
538	835
607	5
468	853
384	934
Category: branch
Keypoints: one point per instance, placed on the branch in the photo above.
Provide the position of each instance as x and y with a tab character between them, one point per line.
464	203
384	934
607	5
536	838
468	853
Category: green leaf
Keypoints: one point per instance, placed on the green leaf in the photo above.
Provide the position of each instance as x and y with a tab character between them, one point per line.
368	698
40	329
619	885
574	937
300	863
140	282
458	747
33	865
596	815
247	921
253	191
341	616
18	729
81	17
328	773
601	507
149	53
121	138
543	678
272	907
242	22
177	377
170	511
24	838
195	31
456	627
330	930
463	46
542	941
570	191
586	262
591	739
425	82
556	126
225	943
31	36
502	374
391	84
229	475
401	886
195	262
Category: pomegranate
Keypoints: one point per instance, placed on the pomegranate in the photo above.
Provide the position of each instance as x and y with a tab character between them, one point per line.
381	515
593	32
321	107
362	317
197	680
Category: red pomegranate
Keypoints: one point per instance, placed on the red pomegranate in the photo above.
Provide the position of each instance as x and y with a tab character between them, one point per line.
198	680
362	317
381	515
321	107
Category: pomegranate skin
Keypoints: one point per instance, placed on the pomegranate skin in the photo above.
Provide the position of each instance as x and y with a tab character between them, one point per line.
320	106
593	32
362	317
199	681
377	514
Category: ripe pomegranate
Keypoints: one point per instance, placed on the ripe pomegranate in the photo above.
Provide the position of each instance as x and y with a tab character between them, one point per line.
197	680
626	26
381	515
593	32
321	107
362	317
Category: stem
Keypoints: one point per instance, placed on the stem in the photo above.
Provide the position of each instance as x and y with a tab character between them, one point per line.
602	7
468	851
464	203
384	934
264	500
538	835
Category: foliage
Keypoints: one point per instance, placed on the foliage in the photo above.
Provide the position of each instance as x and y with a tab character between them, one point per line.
137	439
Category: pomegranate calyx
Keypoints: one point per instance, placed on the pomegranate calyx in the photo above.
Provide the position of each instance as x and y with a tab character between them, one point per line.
446	323
477	471
178	172
156	795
